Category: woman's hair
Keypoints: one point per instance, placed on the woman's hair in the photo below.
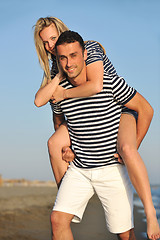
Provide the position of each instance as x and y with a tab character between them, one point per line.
43	55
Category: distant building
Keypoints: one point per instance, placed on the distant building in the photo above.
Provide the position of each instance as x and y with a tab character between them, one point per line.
1	181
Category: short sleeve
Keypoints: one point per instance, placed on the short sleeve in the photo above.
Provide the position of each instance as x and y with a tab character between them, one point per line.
94	52
122	92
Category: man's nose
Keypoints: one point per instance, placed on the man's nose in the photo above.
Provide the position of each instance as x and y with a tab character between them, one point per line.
69	62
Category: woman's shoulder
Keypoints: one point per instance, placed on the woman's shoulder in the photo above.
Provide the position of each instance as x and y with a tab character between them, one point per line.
94	46
91	44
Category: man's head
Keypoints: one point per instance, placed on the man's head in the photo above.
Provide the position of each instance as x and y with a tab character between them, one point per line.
70	37
71	55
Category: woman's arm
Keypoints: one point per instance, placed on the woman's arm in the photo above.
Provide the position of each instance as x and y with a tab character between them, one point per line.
45	94
93	85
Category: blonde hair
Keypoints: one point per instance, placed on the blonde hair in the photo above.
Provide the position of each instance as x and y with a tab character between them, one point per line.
43	55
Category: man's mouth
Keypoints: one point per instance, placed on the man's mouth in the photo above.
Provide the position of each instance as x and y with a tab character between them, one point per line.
70	70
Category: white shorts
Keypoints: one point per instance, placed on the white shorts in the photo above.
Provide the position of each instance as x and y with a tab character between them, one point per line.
113	188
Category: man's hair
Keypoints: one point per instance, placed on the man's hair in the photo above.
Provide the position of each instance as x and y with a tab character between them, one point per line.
70	37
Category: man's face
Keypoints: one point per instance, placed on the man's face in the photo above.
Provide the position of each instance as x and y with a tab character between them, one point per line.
49	36
71	59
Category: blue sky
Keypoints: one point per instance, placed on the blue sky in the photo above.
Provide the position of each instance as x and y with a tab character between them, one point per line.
129	31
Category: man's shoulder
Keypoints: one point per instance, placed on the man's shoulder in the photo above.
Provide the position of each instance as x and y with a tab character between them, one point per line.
63	81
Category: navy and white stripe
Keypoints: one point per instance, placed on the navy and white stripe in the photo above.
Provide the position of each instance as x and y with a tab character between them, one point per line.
54	68
96	53
93	122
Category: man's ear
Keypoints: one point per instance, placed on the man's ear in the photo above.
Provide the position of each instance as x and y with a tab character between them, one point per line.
85	54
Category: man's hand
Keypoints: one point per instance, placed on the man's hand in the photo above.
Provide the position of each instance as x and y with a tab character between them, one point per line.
120	160
67	154
58	94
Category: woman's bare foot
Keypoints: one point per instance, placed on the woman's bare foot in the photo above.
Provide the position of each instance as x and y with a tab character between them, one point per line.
153	229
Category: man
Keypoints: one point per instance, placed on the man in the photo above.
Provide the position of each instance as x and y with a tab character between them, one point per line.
93	126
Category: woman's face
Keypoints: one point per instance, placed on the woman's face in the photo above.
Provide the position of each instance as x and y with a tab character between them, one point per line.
49	36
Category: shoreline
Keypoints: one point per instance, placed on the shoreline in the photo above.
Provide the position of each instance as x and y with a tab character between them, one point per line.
25	215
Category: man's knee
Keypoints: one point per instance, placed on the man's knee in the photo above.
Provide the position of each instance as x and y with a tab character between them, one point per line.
55	221
60	220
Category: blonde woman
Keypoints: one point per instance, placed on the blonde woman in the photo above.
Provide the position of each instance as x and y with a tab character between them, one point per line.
47	31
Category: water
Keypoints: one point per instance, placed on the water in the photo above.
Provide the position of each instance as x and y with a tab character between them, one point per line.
156	201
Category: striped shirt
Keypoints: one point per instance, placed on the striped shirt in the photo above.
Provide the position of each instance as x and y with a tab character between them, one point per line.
96	53
93	122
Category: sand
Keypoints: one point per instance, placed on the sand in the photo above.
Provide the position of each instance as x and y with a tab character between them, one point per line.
25	215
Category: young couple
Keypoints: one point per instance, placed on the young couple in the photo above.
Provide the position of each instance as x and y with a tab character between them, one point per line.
93	112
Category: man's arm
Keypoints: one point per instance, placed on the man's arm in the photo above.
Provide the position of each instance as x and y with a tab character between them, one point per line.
67	153
145	114
58	119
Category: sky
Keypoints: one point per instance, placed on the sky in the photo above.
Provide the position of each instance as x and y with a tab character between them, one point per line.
128	29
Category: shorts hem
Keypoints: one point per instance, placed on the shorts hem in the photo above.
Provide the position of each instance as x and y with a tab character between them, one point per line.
121	230
132	114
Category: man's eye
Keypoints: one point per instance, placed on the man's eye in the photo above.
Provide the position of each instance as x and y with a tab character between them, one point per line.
53	38
62	58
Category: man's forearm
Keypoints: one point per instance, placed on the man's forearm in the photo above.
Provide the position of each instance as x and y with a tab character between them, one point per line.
58	119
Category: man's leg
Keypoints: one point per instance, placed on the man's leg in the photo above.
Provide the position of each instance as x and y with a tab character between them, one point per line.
129	235
71	201
115	192
61	229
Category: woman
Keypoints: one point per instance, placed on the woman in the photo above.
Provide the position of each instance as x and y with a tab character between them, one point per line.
47	31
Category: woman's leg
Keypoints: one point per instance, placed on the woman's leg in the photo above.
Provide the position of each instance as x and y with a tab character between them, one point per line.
56	143
127	149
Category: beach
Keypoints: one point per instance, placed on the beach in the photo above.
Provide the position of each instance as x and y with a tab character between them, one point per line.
25	215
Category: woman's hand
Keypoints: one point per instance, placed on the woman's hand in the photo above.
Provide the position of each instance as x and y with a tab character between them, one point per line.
58	95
